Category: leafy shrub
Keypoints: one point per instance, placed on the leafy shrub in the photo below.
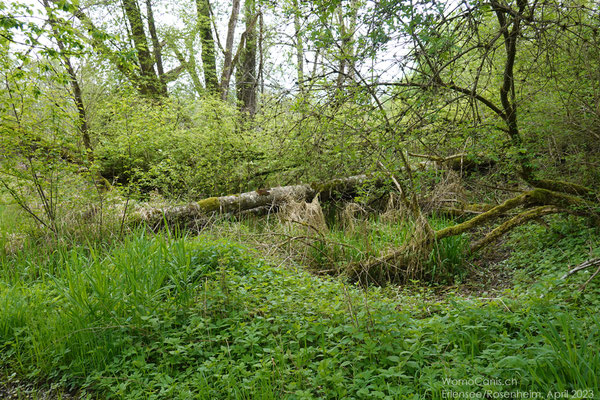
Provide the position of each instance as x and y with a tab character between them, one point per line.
190	151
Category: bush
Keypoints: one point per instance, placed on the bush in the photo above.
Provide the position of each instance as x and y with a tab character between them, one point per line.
191	151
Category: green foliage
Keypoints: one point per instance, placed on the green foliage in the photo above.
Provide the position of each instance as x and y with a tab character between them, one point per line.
318	138
38	149
180	318
447	262
543	254
191	151
365	239
165	317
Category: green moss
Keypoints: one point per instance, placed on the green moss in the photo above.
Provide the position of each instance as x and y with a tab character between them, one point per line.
326	187
482	207
517	220
548	197
210	204
485	217
564	187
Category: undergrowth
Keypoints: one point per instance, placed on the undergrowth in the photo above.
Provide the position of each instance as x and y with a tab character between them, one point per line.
541	254
179	318
332	251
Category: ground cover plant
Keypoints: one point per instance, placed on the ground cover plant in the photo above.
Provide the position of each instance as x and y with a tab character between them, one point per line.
164	317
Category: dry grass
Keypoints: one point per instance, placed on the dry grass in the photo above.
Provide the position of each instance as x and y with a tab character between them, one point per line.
350	216
309	215
449	192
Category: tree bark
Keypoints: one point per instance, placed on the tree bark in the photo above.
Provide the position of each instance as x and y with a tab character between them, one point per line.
156	48
190	66
346	51
150	84
246	82
227	62
140	73
510	27
209	62
299	46
343	61
272	198
74	82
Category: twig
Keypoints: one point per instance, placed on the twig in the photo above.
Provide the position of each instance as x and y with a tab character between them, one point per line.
392	177
498	299
582	266
308	226
582	288
504	189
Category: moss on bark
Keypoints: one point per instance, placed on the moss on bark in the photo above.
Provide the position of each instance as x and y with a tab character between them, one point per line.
515	221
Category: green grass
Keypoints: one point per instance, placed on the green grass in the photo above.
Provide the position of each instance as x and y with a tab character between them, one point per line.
12	237
176	318
332	251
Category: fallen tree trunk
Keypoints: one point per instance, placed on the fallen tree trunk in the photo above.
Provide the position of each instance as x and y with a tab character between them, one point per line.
515	221
456	162
268	199
400	263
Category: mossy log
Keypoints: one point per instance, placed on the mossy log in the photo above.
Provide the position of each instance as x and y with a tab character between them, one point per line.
564	187
515	221
537	203
271	199
532	198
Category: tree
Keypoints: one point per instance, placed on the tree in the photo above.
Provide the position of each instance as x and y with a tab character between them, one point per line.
299	44
150	83
228	64
145	71
246	75
444	44
56	25
209	61
39	149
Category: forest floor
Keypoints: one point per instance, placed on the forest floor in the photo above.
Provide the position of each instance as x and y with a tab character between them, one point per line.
256	309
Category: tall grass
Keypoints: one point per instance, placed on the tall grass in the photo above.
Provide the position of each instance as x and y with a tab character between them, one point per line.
11	227
170	317
570	357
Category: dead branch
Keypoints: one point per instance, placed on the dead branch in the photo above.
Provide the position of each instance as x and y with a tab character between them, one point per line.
515	221
589	263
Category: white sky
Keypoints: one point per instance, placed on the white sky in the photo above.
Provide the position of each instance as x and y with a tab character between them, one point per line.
279	68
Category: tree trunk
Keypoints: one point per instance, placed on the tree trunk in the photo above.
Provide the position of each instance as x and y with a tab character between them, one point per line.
272	198
350	50
156	48
246	82
346	49
76	89
227	63
143	76
341	76
150	84
299	46
209	62
510	27
190	65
